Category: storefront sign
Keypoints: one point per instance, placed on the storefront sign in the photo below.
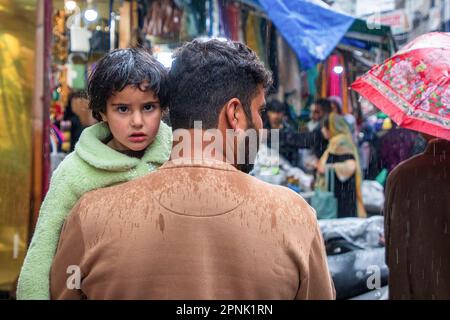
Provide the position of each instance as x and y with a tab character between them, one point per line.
365	8
398	20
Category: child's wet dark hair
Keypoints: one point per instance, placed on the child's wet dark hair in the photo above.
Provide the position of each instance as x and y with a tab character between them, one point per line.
123	67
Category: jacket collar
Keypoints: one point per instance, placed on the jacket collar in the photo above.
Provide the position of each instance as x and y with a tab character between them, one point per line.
200	163
91	149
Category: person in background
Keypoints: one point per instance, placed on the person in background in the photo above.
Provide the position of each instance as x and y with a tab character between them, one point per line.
397	145
369	152
314	140
319	109
336	106
416	218
342	156
290	140
288	136
80	117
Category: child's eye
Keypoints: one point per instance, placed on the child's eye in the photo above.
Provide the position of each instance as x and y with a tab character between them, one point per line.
122	109
149	107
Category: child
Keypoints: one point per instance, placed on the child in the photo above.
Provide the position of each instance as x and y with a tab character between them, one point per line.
126	93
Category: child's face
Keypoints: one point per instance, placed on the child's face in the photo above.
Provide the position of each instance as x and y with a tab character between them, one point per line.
133	117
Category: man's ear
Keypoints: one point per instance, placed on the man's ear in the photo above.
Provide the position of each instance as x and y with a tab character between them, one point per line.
233	113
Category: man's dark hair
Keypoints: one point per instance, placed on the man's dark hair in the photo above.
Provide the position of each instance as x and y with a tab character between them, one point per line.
276	106
205	75
123	67
324	104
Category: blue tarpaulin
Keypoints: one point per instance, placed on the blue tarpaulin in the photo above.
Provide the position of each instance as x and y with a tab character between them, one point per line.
312	30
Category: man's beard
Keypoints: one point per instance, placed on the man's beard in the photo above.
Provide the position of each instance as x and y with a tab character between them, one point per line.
249	164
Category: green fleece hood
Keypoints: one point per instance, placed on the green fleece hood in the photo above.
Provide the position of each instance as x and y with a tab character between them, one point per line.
91	149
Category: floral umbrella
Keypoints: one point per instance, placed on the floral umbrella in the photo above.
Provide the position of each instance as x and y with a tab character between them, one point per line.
413	86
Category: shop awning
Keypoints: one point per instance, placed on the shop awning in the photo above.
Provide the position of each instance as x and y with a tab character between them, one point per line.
310	27
367	37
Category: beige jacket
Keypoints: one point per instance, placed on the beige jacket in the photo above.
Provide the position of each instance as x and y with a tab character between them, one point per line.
192	231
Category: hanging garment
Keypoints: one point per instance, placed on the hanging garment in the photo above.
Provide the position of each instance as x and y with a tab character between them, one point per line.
290	81
241	24
223	24
344	86
251	33
232	13
311	76
79	39
215	19
163	19
189	27
335	79
273	56
76	76
324	80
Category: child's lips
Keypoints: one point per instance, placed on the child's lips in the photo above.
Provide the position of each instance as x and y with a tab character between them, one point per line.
137	137
137	134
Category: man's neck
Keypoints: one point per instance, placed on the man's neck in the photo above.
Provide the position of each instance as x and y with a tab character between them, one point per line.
199	145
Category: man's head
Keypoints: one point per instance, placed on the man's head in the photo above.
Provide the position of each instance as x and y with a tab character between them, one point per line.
275	113
206	76
319	109
220	83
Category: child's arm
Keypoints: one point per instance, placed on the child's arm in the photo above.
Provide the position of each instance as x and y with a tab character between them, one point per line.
34	279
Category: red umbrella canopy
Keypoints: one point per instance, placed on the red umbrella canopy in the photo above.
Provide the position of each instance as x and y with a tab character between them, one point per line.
413	86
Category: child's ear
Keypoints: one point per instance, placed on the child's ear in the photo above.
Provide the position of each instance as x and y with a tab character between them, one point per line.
104	118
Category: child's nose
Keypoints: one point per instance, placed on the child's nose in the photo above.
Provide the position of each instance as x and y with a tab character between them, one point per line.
136	119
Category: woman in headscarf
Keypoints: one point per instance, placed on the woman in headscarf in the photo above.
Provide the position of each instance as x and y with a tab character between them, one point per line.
342	155
336	106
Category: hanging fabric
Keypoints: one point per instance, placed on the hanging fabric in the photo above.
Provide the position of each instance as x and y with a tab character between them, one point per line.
290	82
334	78
163	19
241	24
344	86
194	19
250	32
215	22
263	31
311	75
324	80
254	37
221	19
232	13
272	55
